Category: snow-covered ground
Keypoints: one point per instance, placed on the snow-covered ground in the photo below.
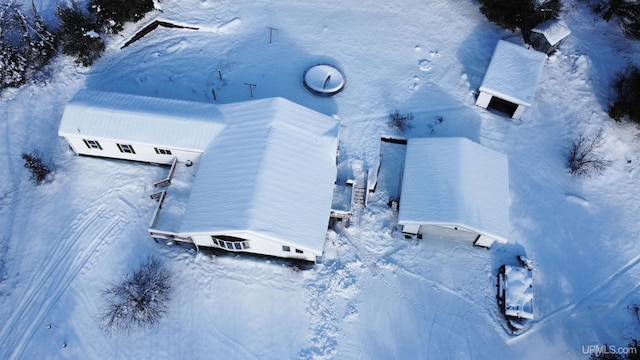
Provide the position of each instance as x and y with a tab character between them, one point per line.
377	295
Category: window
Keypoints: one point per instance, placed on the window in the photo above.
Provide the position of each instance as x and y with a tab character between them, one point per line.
125	148
215	241
163	151
285	248
299	251
92	144
231	243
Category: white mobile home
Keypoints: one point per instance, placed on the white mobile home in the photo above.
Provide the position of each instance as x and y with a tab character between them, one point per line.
139	128
265	168
510	83
454	188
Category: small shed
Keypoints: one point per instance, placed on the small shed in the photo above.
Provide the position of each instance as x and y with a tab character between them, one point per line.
454	188
548	35
510	83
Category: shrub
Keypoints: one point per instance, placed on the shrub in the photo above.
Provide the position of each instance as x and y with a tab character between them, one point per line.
626	85
112	14
522	14
139	300
583	158
79	35
401	122
33	162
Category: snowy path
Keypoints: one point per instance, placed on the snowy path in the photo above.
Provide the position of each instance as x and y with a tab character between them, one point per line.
72	249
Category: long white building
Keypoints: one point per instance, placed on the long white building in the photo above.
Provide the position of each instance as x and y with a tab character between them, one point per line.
264	169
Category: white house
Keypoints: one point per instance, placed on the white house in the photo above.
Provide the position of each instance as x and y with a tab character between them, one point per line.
265	169
454	188
140	128
510	83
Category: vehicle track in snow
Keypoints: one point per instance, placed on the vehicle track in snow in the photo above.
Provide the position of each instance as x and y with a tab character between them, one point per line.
610	290
73	248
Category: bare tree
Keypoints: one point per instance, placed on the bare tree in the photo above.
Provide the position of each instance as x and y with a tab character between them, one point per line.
400	121
139	300
583	158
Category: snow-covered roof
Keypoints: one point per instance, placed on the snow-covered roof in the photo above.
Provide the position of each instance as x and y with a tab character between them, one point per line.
456	182
271	173
140	119
554	30
513	73
518	299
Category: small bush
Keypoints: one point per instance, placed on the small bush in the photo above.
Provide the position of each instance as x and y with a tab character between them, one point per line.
627	88
583	158
139	300
522	14
33	162
401	122
79	35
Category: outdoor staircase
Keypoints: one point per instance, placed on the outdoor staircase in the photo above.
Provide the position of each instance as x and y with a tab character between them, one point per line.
359	196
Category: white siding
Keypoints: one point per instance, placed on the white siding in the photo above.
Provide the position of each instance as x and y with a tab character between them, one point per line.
519	111
441	232
260	245
144	153
483	99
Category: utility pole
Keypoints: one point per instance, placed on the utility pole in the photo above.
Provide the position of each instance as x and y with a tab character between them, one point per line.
251	86
271	33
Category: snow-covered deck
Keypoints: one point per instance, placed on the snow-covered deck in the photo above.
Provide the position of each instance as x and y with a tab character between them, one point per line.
341	208
169	216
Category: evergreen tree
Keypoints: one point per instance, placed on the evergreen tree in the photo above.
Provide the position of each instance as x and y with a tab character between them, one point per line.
12	67
627	11
78	35
112	14
26	45
520	14
43	43
627	88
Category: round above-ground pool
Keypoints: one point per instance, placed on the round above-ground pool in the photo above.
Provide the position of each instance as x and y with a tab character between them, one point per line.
324	80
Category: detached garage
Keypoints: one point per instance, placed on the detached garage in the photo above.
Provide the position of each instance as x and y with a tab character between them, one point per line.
454	188
510	83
